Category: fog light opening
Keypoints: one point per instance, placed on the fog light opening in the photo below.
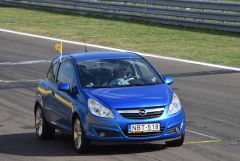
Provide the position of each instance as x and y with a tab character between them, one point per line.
182	124
177	129
102	134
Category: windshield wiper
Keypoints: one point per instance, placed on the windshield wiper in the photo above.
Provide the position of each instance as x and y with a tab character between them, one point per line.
129	85
141	84
98	86
115	86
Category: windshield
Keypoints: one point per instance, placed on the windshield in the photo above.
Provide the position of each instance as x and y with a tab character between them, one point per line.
109	73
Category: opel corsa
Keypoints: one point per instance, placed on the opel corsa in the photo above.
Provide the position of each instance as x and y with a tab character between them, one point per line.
108	97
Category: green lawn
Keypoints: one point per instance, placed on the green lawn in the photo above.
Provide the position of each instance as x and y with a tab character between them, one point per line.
194	44
232	0
226	0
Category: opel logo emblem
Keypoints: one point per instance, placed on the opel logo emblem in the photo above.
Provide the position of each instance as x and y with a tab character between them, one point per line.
142	112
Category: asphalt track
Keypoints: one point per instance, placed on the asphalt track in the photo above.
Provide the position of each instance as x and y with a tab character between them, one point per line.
211	97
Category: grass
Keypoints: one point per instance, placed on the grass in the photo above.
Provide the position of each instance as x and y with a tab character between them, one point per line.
225	0
194	44
231	0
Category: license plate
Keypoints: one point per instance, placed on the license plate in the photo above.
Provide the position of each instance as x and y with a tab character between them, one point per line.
139	128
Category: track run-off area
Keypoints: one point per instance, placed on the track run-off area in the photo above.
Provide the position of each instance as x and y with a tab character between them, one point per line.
209	93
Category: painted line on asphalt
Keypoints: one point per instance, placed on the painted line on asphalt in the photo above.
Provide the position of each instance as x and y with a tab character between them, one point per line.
24	62
201	134
202	142
116	49
20	81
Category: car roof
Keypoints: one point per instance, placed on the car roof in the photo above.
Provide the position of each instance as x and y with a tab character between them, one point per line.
82	56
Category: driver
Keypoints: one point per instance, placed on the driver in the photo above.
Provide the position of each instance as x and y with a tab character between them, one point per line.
120	74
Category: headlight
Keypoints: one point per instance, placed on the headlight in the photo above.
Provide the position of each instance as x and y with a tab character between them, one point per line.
98	109
175	106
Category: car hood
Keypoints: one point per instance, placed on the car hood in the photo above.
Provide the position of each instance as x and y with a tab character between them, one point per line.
130	97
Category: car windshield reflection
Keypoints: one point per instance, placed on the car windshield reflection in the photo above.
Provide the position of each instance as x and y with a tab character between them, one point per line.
110	73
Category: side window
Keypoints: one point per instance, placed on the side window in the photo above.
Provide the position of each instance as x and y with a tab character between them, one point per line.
52	73
66	73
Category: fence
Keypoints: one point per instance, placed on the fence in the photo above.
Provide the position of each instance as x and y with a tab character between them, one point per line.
190	13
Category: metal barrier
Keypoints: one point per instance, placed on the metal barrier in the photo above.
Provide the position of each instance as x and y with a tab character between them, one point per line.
190	13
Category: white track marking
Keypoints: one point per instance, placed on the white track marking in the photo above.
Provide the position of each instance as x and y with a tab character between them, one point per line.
116	49
121	50
191	62
24	62
19	81
201	134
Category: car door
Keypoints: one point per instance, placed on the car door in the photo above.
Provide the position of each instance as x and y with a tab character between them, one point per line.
51	85
65	100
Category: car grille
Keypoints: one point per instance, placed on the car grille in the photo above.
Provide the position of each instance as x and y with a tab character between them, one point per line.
141	113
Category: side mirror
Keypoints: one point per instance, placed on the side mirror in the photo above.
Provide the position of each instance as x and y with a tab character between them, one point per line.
64	87
168	80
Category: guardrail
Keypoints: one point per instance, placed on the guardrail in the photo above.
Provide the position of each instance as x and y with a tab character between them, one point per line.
190	13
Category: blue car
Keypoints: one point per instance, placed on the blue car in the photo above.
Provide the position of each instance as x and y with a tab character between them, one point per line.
108	97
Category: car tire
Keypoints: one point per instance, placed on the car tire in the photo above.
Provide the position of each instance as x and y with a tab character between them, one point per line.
43	130
80	142
176	143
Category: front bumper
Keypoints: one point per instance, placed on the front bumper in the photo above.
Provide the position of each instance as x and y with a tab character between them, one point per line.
115	130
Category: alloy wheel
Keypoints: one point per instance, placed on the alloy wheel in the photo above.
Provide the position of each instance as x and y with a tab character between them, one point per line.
77	134
39	122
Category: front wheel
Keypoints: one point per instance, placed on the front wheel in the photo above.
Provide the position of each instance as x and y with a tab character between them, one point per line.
43	130
175	143
80	142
